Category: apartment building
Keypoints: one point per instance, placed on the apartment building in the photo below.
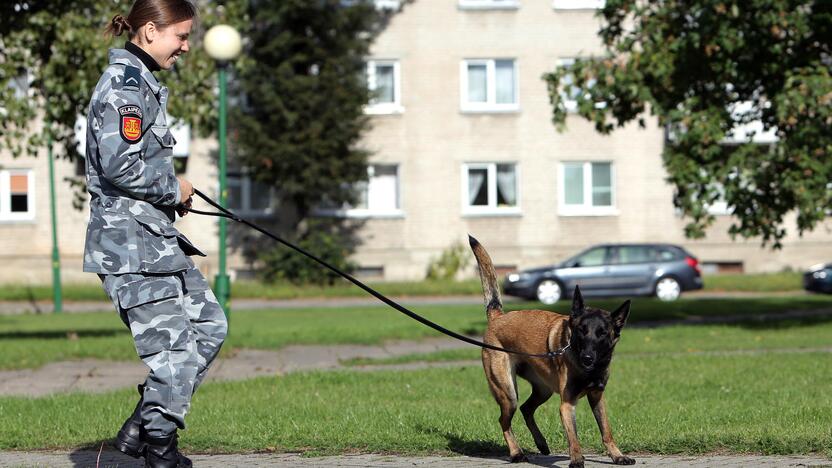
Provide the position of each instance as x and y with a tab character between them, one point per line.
462	143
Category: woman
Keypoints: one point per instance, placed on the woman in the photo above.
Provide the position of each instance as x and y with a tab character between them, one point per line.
177	324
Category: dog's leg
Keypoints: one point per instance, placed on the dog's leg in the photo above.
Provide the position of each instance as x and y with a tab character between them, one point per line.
539	396
501	381
570	426
599	409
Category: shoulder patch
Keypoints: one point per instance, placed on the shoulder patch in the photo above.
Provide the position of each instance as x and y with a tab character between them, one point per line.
132	77
130	126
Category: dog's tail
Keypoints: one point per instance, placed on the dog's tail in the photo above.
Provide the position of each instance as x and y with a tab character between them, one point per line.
488	277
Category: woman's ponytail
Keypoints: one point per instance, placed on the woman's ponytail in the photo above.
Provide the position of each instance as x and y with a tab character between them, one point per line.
117	26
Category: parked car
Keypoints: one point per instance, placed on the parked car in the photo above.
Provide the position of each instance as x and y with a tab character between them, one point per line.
663	270
818	278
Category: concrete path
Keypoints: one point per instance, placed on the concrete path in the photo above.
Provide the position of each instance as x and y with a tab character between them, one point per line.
43	307
91	375
87	458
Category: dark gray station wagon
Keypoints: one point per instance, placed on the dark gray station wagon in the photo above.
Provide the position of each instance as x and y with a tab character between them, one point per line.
663	270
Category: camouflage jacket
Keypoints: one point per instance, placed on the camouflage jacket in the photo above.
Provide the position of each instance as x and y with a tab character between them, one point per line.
130	178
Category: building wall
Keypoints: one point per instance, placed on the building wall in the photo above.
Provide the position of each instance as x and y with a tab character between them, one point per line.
432	139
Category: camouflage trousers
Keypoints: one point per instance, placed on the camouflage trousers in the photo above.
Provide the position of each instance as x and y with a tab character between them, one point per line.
178	328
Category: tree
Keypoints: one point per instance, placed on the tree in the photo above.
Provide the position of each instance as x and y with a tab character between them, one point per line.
703	68
59	46
302	119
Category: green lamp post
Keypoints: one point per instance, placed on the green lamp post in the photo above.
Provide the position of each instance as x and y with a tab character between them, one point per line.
56	257
223	44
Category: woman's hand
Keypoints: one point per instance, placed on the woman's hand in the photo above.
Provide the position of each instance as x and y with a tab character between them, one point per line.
186	189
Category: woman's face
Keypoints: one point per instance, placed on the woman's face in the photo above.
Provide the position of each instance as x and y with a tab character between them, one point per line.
166	45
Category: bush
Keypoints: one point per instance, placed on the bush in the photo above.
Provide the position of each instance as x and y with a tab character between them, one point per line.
284	264
452	260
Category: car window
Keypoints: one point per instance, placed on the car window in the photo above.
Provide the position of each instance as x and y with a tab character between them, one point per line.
631	254
594	257
664	254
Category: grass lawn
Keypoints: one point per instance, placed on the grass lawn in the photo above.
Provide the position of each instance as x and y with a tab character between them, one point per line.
764	282
29	341
771	404
664	396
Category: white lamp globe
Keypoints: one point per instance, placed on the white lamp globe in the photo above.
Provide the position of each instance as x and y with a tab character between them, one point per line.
223	43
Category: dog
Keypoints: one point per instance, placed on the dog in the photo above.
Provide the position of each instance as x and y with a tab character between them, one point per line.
587	338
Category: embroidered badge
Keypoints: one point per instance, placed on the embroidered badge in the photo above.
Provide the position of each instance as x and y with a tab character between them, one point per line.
131	123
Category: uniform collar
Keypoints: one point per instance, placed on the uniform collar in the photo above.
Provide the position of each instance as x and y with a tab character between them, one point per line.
124	57
146	59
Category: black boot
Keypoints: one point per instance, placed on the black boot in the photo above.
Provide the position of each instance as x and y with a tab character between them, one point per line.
163	452
128	440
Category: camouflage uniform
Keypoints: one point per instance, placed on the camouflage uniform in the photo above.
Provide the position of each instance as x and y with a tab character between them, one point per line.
143	261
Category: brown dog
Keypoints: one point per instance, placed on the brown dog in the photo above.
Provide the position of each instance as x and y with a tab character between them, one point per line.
587	337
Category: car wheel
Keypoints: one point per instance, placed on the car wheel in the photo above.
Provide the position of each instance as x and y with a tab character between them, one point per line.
549	291
668	289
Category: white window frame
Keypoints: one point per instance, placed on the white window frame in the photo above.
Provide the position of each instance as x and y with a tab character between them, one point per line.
751	132
20	93
489	4
587	208
491	104
6	214
246	184
578	4
571	105
491	179
350	212
388	4
382	108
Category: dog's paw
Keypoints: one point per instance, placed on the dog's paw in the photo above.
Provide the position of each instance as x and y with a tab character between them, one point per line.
622	460
519	458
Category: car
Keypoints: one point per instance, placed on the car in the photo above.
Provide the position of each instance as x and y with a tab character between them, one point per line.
663	270
818	278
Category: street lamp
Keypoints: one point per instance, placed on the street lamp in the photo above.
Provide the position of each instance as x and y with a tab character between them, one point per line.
223	43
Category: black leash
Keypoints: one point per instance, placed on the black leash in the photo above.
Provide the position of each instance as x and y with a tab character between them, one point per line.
228	214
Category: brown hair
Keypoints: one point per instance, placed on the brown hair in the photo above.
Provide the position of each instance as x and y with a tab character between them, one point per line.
162	13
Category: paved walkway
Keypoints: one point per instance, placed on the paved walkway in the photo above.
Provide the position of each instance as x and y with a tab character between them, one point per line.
107	458
42	307
92	375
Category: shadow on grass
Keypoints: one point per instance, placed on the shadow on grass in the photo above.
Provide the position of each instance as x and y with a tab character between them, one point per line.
61	334
102	453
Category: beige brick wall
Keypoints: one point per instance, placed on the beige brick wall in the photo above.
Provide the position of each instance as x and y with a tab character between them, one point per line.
432	139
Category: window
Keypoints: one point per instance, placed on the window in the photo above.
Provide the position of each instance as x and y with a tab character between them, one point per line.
249	197
489	85
17	195
586	189
489	4
380	193
578	4
21	86
747	125
631	254
490	188
590	258
384	81
387	4
378	196
569	92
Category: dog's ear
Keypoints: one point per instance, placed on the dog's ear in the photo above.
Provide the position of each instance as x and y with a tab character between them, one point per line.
577	302
619	316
